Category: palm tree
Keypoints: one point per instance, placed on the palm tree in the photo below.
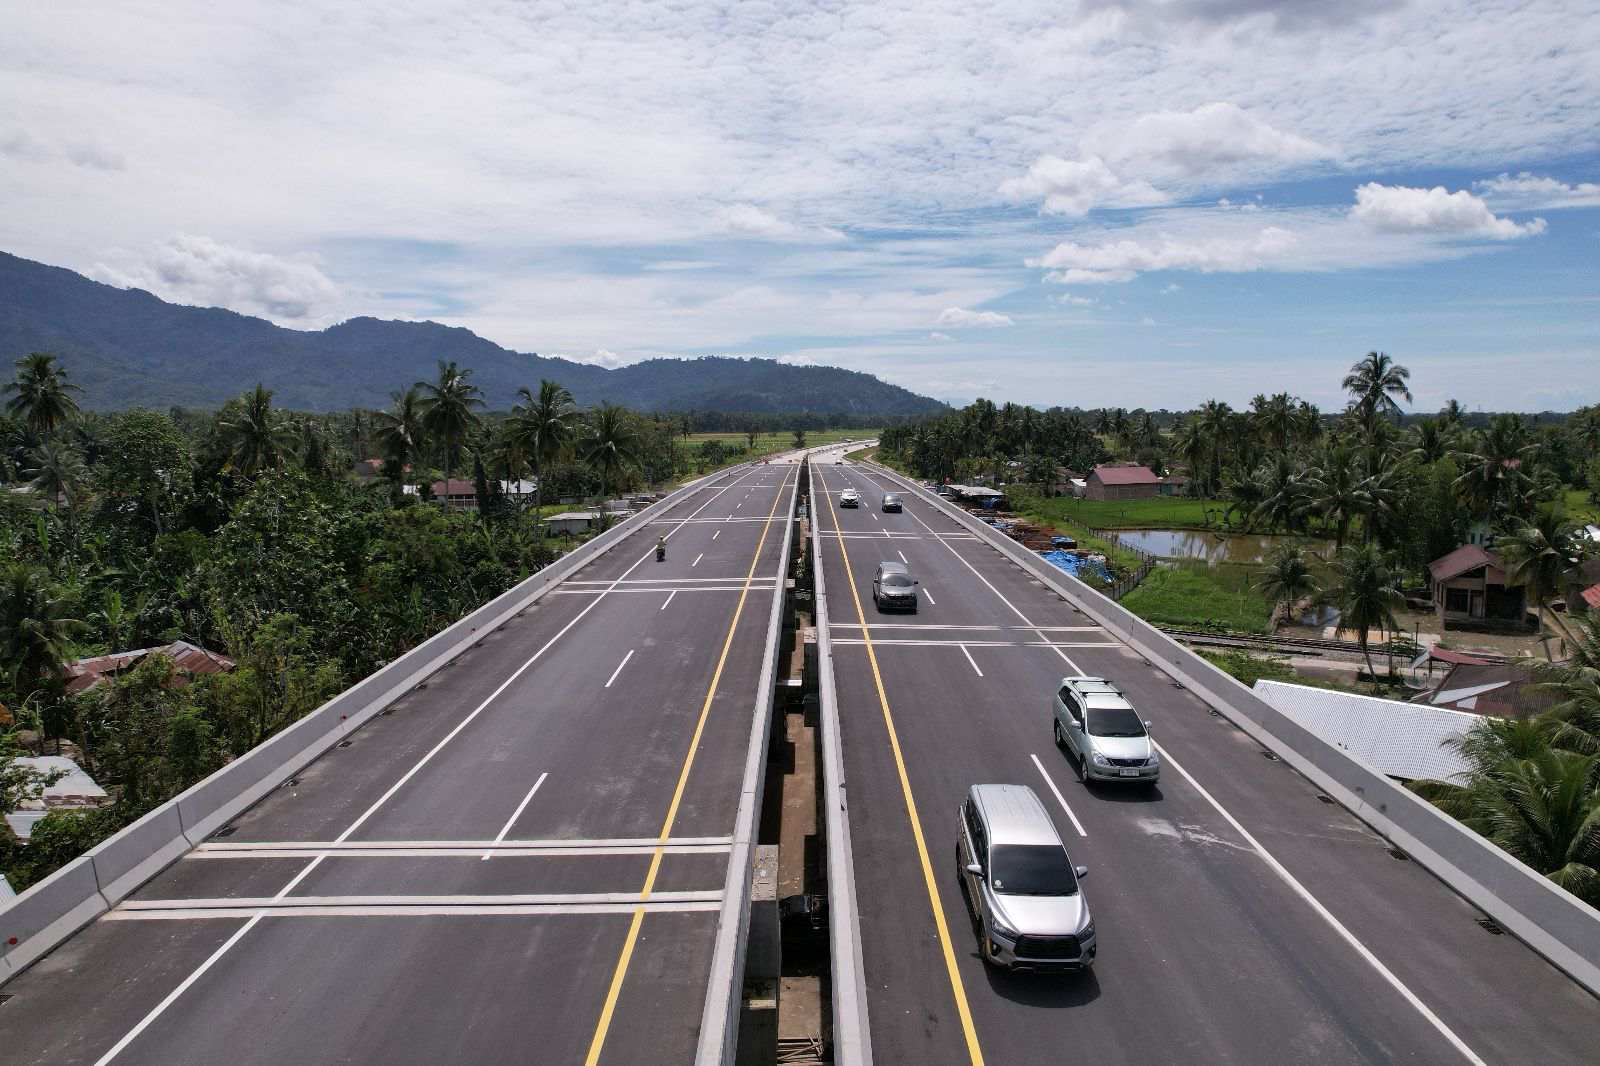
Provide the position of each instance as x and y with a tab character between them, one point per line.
1335	490
36	629
399	433
447	409
256	436
1453	413
57	473
1542	556
1493	477
1431	441
1373	382
1287	579
1283	495
611	446
41	395
1193	447
1535	802
541	427
1366	592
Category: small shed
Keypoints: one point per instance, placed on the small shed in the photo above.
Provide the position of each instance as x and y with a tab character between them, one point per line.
1405	741
73	789
572	523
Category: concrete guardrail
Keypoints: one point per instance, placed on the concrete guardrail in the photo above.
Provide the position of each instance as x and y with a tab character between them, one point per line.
52	910
1556	924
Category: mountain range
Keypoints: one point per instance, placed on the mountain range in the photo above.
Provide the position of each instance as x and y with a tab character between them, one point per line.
129	348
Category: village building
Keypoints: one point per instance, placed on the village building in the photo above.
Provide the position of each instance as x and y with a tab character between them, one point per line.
1470	592
1129	481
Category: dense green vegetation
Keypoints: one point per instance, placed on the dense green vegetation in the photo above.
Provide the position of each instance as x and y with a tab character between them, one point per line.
1190	597
244	532
1534	788
1392	498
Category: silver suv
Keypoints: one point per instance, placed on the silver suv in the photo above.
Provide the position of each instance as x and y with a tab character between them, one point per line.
1101	732
893	586
1020	883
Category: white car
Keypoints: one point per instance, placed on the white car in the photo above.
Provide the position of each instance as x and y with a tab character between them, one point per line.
849	498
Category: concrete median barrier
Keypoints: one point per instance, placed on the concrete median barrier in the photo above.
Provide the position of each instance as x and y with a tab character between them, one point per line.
75	895
1556	924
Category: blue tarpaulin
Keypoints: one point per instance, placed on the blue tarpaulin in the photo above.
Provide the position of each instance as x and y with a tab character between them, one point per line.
1077	565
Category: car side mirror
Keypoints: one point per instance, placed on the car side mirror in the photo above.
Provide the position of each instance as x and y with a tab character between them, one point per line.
1077	725
1147	723
1081	871
974	869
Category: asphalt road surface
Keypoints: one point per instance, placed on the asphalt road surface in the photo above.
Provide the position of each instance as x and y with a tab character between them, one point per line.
1240	919
521	863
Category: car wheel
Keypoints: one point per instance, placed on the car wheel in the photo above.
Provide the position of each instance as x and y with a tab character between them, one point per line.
1082	764
1061	738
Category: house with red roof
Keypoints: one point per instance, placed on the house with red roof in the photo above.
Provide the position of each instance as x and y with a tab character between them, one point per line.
1129	481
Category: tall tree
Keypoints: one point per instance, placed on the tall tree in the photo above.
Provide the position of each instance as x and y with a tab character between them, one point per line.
57	472
542	427
448	409
41	395
1367	593
1542	556
1373	383
398	431
36	628
256	436
611	445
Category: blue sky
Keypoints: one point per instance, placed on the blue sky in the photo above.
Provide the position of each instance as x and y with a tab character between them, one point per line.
1123	202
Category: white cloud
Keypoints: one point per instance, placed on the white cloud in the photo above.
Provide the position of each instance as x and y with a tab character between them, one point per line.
607	359
1074	188
961	318
1200	142
1069	300
937	336
1071	263
1170	288
1399	209
198	270
748	220
1531	192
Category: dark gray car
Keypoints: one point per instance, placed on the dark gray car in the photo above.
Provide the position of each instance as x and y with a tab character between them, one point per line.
891	502
894	588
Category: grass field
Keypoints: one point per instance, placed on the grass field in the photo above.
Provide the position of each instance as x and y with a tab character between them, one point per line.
1200	597
1166	512
1579	507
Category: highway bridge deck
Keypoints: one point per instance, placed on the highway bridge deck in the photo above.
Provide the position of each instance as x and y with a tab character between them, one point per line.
521	862
1219	899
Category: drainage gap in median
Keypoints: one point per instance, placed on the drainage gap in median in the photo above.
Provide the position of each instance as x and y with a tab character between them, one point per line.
787	1010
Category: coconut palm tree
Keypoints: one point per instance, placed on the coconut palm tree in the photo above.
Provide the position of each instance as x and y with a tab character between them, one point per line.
1542	556
1493	477
1373	383
1334	488
611	446
36	628
1283	495
1287	579
447	409
398	431
257	437
1194	447
1367	593
1533	801
1431	441
541	427
41	395
56	472
1453	414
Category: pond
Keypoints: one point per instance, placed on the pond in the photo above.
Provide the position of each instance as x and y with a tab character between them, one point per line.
1214	548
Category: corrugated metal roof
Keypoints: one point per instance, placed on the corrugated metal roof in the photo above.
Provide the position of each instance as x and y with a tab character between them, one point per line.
190	659
1467	557
1591	596
1126	475
1401	740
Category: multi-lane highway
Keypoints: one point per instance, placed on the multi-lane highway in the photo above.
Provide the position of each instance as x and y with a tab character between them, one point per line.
1240	918
521	862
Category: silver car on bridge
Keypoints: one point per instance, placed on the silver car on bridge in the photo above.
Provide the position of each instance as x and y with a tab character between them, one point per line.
1101	732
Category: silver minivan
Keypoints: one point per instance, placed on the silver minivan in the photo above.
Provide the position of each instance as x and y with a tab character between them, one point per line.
1101	732
1020	883
894	587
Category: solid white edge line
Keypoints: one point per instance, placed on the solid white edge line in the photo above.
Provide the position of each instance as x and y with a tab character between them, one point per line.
1056	792
521	807
970	659
668	600
423	911
618	670
1326	915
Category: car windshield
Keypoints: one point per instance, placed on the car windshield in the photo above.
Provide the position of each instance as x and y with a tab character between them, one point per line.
1115	722
897	581
1031	870
891	498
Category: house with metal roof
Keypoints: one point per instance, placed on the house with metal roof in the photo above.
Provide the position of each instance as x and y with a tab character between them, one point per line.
191	661
1129	481
1405	741
1470	591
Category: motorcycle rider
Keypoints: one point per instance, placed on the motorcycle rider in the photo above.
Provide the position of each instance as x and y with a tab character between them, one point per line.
661	548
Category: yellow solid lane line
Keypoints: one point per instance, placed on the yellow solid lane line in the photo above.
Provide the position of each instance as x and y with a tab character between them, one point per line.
974	1052
598	1042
